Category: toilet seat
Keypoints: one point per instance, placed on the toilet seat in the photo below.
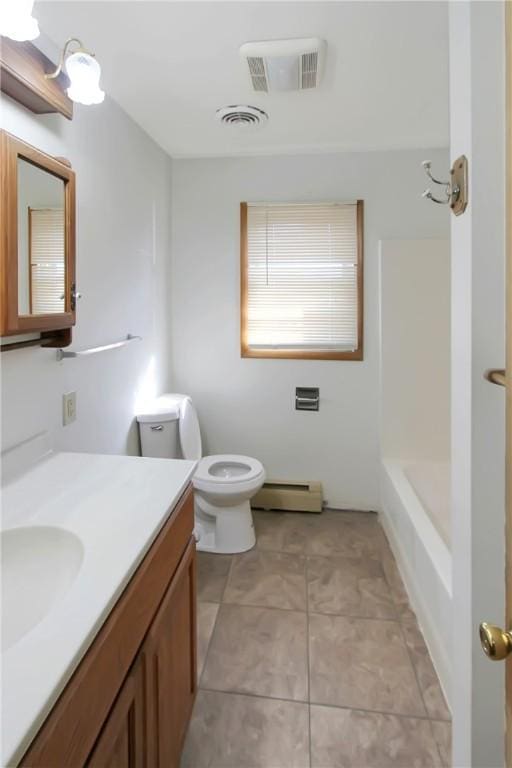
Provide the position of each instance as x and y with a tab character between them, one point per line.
226	470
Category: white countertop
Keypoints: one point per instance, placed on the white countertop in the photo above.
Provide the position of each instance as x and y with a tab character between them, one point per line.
116	506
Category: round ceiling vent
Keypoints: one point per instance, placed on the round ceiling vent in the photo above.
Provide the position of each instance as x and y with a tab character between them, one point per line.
241	115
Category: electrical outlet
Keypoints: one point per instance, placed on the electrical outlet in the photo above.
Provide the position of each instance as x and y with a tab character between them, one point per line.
68	408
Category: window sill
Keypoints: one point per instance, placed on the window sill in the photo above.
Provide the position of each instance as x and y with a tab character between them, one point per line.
294	354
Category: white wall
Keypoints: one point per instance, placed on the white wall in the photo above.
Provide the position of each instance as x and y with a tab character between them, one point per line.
415	349
123	220
247	405
478	413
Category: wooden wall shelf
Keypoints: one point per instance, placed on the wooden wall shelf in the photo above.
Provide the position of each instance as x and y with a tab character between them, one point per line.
22	77
50	339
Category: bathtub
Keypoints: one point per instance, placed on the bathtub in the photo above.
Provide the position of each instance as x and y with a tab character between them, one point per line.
415	513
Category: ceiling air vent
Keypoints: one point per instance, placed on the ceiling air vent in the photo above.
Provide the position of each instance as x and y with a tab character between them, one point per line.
241	115
284	65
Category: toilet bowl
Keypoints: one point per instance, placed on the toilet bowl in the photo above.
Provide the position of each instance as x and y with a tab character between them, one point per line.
223	484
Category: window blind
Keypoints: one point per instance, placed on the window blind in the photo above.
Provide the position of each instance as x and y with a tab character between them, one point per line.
47	260
302	276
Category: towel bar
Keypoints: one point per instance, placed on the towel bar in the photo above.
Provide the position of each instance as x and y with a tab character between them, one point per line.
63	353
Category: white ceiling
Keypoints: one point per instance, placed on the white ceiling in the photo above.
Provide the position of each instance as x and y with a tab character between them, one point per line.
170	65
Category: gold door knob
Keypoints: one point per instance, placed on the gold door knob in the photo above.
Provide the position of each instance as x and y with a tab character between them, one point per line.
496	643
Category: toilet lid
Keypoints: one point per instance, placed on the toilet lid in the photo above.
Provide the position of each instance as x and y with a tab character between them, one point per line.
163	408
190	435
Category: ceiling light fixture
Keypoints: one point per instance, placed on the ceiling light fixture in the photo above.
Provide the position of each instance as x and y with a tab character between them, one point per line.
285	65
16	20
84	74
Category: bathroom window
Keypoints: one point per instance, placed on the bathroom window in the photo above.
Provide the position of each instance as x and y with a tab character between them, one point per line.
46	260
302	280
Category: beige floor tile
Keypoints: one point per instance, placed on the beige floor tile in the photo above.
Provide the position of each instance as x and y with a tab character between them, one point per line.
361	663
258	650
268	579
233	731
443	735
352	534
429	683
345	534
212	574
396	585
344	738
283	531
206	615
349	586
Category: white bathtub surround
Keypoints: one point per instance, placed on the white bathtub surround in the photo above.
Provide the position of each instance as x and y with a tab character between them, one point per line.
95	517
422	555
431	481
415	369
415	348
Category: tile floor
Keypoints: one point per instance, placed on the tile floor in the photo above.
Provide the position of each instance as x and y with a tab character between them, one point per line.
310	655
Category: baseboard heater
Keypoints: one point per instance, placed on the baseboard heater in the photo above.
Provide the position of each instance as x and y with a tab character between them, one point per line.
290	496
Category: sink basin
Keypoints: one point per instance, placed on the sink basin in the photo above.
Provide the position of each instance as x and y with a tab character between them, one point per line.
39	565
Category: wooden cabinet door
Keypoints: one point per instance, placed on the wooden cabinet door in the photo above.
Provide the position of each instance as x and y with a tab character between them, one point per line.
121	742
169	654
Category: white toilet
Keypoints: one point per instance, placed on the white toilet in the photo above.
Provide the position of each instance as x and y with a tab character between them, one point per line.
223	484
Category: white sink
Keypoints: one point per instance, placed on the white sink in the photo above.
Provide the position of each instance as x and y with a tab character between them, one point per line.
39	565
76	527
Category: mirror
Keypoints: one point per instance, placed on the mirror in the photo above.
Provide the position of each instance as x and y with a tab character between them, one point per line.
37	247
41	241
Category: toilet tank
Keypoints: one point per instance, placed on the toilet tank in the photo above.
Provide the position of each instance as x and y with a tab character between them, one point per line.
159	428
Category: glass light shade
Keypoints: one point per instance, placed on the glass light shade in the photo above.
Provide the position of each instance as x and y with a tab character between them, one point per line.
84	74
16	20
283	73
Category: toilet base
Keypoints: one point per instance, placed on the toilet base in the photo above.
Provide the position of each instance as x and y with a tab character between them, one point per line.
228	531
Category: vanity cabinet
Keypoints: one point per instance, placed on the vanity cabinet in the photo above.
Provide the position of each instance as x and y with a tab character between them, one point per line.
170	662
129	702
122	742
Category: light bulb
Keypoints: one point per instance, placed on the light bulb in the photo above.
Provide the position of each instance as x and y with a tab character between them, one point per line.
84	75
16	20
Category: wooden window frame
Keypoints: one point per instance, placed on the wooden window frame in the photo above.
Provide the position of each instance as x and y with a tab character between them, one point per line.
294	354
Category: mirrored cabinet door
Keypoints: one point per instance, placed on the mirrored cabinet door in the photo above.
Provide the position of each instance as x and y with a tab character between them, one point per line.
41	241
38	247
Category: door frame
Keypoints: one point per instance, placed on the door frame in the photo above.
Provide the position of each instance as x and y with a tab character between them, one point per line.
508	459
